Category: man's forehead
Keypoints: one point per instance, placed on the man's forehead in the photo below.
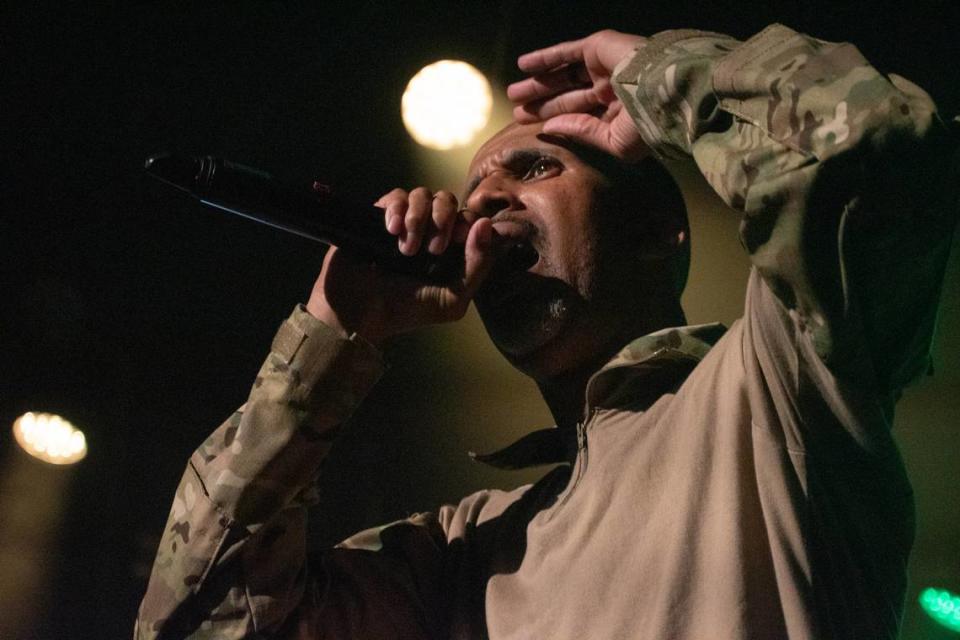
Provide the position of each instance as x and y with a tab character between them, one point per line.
504	144
512	135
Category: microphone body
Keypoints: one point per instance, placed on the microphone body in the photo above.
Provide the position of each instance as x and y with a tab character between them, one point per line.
312	212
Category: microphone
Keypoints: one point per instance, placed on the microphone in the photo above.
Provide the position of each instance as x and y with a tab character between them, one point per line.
312	212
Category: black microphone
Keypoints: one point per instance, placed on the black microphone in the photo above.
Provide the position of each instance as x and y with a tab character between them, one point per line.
312	212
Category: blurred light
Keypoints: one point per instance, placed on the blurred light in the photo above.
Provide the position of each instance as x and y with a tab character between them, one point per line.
50	438
446	104
942	606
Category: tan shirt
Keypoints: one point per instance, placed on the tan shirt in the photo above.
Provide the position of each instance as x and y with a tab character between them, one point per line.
749	490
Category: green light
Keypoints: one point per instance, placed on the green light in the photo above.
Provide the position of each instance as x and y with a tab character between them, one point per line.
942	606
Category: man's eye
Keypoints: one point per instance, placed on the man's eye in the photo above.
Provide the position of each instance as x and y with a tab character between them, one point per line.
542	167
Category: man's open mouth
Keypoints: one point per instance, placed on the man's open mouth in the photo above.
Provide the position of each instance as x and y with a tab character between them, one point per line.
512	275
521	256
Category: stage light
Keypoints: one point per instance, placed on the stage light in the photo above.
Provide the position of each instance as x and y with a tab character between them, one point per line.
445	104
33	501
942	606
50	438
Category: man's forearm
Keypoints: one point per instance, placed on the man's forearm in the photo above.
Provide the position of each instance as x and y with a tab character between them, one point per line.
842	174
239	504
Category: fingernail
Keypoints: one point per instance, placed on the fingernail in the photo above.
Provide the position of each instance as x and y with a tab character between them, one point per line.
394	224
412	244
436	245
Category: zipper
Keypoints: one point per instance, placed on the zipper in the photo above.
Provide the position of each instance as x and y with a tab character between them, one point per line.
581	436
580	464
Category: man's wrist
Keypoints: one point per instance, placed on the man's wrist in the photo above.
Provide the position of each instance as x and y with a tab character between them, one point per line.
323	355
322	312
667	87
347	328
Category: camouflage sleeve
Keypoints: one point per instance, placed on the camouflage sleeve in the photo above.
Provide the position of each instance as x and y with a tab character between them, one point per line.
232	559
844	178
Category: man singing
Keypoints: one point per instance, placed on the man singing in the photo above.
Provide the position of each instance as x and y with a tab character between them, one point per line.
738	484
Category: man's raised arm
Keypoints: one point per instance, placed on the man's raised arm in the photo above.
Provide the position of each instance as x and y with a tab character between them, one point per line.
845	177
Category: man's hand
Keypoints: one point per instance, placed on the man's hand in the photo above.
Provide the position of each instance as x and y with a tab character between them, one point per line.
570	91
355	297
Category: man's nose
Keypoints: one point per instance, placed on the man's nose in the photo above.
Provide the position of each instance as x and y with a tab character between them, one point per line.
494	194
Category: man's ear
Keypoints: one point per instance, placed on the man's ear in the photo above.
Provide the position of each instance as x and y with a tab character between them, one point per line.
659	237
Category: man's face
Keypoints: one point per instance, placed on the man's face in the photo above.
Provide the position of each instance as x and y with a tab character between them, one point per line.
562	306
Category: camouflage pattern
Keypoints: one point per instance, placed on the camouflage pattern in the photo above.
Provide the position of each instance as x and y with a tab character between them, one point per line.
829	163
843	176
231	559
637	375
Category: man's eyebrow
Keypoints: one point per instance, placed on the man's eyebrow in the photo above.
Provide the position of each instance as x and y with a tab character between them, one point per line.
514	158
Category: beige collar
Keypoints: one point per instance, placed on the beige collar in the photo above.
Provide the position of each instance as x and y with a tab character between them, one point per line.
637	375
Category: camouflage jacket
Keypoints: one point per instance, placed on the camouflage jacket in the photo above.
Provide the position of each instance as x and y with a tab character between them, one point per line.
772	447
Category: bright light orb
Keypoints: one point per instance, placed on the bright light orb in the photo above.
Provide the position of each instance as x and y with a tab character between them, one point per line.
446	104
50	438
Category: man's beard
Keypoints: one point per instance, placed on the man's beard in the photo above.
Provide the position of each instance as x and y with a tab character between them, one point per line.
528	316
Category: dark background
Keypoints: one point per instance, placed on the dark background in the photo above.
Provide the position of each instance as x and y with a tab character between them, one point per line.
143	318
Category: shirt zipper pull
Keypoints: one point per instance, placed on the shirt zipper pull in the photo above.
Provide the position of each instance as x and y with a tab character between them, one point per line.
582	429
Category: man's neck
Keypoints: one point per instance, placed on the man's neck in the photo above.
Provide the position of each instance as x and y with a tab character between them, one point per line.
566	393
565	396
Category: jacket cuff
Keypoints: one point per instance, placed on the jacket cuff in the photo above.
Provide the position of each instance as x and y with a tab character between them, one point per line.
332	373
667	88
265	457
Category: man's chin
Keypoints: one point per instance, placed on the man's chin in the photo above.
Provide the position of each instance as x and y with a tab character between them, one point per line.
526	339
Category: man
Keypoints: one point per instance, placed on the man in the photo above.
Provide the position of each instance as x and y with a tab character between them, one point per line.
750	489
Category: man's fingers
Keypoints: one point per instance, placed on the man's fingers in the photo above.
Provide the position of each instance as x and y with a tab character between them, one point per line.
546	85
444	213
550	58
624	137
577	101
422	217
480	253
582	128
394	206
619	138
415	221
394	218
612	111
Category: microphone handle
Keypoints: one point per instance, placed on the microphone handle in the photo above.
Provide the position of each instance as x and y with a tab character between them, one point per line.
313	212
